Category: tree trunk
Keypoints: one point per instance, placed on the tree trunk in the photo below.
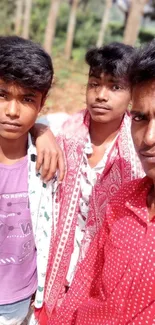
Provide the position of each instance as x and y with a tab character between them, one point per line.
134	21
18	16
104	23
27	17
71	29
51	25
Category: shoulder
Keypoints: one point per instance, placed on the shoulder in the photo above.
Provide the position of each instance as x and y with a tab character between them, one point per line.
74	126
74	120
128	193
129	190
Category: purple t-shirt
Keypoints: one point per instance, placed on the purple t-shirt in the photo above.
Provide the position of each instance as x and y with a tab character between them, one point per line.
18	274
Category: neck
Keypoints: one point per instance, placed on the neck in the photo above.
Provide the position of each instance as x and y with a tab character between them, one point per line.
151	202
102	132
12	150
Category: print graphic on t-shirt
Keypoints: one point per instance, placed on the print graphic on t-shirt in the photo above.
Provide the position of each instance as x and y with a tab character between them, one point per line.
15	228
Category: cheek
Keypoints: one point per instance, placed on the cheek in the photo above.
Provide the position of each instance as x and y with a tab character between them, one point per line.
90	97
29	116
3	107
137	136
149	170
122	98
122	102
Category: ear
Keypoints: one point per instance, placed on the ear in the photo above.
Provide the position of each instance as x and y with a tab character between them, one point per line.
44	97
43	102
130	105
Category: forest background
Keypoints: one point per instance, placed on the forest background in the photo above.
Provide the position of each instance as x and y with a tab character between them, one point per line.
68	28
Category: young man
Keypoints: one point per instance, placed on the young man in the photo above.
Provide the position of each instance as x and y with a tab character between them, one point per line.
26	222
100	158
115	284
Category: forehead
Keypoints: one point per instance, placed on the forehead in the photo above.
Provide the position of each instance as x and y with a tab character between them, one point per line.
15	89
95	73
106	78
143	97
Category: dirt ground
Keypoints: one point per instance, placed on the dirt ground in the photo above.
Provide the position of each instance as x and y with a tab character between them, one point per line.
68	91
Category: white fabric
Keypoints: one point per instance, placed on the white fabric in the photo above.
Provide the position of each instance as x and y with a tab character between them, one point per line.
54	121
13	321
40	196
88	180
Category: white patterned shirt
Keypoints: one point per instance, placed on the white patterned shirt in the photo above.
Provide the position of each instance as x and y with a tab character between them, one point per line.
88	180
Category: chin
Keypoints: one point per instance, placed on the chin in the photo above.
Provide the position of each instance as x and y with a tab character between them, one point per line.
100	118
10	135
150	172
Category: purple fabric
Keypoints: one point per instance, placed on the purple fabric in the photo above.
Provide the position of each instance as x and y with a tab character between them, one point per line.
17	248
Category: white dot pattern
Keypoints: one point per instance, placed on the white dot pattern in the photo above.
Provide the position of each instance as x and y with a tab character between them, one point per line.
115	283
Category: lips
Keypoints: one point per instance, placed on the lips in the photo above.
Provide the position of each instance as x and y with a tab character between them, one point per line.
101	109
148	156
11	123
11	126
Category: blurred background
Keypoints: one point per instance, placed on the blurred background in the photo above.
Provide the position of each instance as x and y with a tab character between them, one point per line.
68	28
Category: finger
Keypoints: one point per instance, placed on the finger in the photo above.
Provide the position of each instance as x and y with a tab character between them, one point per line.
61	166
40	159
46	165
53	167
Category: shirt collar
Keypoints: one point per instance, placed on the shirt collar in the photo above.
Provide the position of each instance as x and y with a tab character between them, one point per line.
137	202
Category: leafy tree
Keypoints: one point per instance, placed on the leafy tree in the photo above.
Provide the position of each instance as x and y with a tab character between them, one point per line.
104	23
51	24
26	18
18	16
71	28
134	21
7	9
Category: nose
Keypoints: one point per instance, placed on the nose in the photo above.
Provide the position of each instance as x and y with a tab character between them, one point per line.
12	109
149	137
103	94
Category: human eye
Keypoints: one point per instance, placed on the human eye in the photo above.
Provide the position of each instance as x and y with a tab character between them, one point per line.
28	100
116	87
138	117
2	95
93	84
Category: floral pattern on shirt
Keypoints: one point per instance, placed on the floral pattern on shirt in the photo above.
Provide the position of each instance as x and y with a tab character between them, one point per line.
40	197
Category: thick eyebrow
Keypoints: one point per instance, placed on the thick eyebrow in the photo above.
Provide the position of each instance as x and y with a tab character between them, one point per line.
29	95
4	91
115	80
92	75
134	112
110	79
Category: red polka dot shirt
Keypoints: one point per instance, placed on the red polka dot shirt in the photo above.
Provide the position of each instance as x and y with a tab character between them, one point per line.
115	283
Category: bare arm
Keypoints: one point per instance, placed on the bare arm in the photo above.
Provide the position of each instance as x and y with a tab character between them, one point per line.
49	154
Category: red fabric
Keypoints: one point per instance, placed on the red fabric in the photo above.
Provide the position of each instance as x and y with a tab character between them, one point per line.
115	283
122	166
41	315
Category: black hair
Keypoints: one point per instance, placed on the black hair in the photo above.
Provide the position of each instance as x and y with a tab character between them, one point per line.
25	63
113	59
142	68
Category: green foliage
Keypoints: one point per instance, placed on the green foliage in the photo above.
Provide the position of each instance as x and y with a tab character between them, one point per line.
7	8
87	27
39	15
146	35
78	54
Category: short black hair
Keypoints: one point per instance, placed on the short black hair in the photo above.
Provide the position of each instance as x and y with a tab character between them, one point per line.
113	59
142	68
25	63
